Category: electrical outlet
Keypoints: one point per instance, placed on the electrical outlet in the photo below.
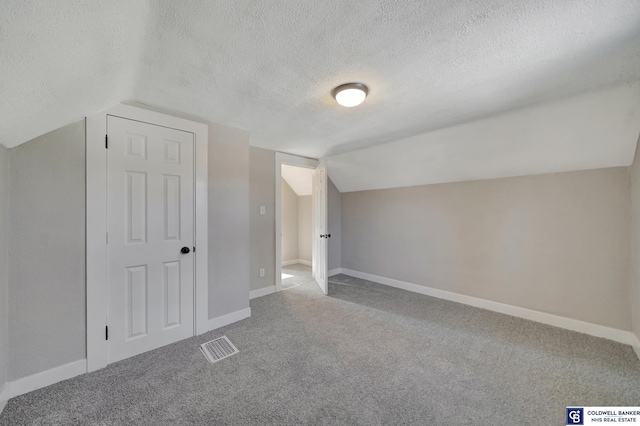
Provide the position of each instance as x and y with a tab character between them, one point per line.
262	210
261	272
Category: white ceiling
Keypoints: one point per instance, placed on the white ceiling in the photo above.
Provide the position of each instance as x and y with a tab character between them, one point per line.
590	131
269	66
299	178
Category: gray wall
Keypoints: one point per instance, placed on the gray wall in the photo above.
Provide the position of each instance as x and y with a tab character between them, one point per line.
556	243
335	226
305	227
4	275
47	237
229	249
47	256
289	218
263	228
635	246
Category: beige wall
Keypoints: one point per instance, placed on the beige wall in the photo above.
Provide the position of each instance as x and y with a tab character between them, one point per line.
635	246
556	243
4	275
263	228
289	217
305	227
335	226
47	256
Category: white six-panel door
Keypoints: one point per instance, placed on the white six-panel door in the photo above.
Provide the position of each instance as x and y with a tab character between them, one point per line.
320	241
150	215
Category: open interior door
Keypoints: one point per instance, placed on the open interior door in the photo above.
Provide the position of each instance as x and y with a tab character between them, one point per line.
320	267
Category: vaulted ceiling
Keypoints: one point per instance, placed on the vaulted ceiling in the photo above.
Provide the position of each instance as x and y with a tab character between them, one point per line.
269	66
299	179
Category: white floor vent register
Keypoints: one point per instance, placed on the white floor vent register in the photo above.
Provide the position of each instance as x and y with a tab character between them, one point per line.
218	349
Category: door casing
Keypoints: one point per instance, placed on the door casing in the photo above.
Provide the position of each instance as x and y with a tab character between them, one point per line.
320	226
96	199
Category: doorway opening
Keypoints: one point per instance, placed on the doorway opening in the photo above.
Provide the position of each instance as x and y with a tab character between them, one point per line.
317	218
296	224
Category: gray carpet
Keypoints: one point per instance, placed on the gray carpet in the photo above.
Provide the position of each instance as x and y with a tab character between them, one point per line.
365	355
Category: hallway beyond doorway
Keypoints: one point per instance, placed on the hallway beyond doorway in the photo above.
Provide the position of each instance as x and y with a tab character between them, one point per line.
294	275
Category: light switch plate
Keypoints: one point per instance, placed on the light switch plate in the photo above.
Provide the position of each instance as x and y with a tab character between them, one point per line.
261	272
262	210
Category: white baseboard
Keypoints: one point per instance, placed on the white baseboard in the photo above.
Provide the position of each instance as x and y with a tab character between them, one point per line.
5	394
262	292
636	344
73	369
294	261
336	271
223	320
596	330
46	378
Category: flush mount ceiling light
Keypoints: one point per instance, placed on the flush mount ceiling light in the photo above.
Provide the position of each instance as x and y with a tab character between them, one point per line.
350	94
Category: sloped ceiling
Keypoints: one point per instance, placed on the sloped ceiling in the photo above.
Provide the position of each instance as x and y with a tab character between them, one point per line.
63	60
299	179
594	130
269	66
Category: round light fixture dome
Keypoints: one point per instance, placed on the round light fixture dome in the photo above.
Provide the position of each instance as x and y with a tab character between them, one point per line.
350	94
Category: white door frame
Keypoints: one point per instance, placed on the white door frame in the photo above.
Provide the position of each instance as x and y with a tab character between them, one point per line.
292	160
320	260
96	199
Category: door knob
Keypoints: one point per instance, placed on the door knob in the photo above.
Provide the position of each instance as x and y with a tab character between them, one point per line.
185	250
328	236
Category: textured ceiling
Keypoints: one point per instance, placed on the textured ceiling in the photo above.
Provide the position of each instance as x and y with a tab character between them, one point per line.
268	66
590	131
63	60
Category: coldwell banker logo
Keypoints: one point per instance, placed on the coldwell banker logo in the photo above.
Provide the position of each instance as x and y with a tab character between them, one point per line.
574	416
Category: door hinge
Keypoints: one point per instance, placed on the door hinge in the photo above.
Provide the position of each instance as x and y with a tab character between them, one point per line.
194	249
106	141
106	332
